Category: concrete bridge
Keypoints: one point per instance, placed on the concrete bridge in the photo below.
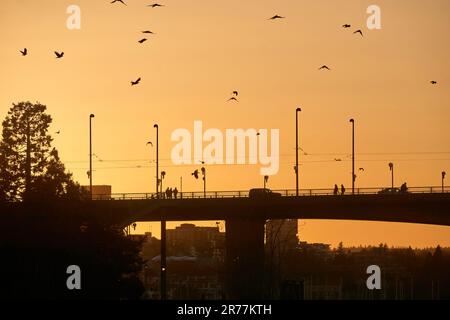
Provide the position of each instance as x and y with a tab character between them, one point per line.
408	208
245	219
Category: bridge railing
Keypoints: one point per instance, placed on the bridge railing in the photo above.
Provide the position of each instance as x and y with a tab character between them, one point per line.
284	193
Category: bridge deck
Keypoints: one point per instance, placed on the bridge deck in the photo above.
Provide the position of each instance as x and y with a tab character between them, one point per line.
283	192
423	208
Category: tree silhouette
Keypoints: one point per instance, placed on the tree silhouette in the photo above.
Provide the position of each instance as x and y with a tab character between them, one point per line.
30	168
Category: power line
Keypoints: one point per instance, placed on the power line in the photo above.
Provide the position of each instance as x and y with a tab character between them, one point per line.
248	164
281	155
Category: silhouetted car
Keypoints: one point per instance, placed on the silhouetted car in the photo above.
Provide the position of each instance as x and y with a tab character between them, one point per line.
392	191
261	193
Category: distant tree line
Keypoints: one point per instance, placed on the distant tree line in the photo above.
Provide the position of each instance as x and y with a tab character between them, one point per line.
406	273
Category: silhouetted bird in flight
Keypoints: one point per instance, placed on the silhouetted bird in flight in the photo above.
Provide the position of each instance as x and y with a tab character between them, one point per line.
148	31
155	5
304	152
58	132
24	52
361	169
433	82
276	17
59	55
142	40
121	1
359	31
150	143
195	174
233	99
324	67
133	83
236	93
346	26
98	158
337	160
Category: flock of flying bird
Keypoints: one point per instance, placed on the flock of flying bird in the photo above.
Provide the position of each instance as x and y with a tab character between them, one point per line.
234	94
154	5
60	55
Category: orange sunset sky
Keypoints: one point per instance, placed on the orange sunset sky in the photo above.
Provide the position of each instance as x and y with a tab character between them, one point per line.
202	51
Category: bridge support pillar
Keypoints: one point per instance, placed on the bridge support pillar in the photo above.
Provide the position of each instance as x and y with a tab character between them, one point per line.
244	262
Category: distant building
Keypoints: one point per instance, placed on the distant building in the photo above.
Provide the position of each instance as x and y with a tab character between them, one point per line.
138	237
189	239
322	248
195	257
100	192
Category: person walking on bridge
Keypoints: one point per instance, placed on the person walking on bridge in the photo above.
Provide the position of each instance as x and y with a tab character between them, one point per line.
175	192
404	188
336	190
342	189
167	193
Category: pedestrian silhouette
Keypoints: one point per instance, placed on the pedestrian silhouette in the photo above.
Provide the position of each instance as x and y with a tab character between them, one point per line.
404	188
167	193
336	190
175	192
342	189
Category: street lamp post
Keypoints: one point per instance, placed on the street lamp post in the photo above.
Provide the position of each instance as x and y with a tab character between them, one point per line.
443	177
163	225
163	174
157	160
296	150
353	155
90	154
181	187
204	181
266	179
391	168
